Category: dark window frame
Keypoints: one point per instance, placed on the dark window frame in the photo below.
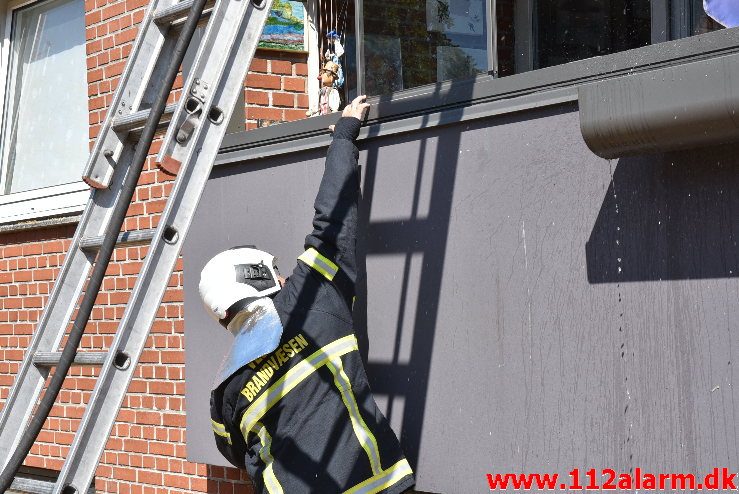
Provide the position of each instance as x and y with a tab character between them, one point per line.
664	27
359	30
506	94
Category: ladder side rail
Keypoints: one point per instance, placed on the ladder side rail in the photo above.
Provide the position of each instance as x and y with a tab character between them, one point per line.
141	64
111	387
55	318
65	294
214	53
28	384
29	380
117	217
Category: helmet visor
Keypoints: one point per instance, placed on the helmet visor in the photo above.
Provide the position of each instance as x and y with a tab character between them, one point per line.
258	335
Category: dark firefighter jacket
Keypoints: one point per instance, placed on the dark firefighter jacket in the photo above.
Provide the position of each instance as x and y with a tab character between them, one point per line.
302	419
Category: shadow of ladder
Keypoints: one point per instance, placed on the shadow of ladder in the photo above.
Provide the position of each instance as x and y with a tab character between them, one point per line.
429	237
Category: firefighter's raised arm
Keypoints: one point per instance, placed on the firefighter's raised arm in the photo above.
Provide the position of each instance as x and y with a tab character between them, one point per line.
335	220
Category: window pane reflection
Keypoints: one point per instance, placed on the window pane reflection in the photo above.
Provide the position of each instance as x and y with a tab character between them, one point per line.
572	30
45	129
533	34
409	43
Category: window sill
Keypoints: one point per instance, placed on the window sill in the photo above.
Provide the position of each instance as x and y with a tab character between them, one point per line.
37	204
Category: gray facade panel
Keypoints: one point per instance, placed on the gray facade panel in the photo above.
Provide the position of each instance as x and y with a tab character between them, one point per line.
529	306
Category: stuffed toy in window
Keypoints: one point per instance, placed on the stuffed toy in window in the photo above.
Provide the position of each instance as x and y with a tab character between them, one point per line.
331	77
329	99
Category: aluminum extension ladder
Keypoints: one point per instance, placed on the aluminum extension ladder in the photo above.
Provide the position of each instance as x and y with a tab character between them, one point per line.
196	129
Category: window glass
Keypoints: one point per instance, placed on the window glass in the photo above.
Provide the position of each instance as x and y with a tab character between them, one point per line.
533	34
335	24
701	23
571	30
408	43
45	124
688	19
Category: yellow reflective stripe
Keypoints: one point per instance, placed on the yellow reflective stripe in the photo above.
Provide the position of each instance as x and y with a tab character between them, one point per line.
383	480
320	263
363	433
270	480
220	429
292	378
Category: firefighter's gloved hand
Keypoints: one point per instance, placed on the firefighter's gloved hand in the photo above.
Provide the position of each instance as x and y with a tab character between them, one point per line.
348	126
357	108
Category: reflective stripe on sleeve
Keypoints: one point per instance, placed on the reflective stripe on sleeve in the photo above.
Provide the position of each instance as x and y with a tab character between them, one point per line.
320	263
292	378
383	480
270	480
220	429
363	433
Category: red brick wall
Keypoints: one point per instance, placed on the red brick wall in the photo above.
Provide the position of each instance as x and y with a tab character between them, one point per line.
146	451
275	88
147	448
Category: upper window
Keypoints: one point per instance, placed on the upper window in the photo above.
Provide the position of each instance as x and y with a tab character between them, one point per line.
405	44
568	30
44	139
533	34
379	47
409	44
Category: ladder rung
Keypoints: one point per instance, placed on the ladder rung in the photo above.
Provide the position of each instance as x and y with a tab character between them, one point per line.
33	486
168	14
136	120
36	486
50	359
125	239
174	14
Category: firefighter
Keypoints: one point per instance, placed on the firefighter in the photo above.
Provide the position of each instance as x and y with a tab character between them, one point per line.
291	402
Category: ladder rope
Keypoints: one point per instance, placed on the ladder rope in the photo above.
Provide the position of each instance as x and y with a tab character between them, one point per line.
104	255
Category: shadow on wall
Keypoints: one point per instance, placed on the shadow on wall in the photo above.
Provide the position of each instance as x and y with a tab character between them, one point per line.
427	236
668	217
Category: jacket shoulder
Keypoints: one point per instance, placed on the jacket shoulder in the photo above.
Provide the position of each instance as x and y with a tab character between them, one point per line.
307	290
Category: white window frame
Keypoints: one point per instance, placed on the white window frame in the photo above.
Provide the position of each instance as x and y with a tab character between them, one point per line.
311	46
43	202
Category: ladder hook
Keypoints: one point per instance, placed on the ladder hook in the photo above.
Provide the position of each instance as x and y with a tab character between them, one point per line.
194	109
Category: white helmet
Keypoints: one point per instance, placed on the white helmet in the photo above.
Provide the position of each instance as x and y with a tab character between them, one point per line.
236	277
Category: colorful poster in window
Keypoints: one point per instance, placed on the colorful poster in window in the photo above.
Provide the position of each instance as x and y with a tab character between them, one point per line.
285	27
455	16
383	64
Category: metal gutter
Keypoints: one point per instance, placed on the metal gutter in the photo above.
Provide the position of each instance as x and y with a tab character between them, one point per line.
401	126
679	107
